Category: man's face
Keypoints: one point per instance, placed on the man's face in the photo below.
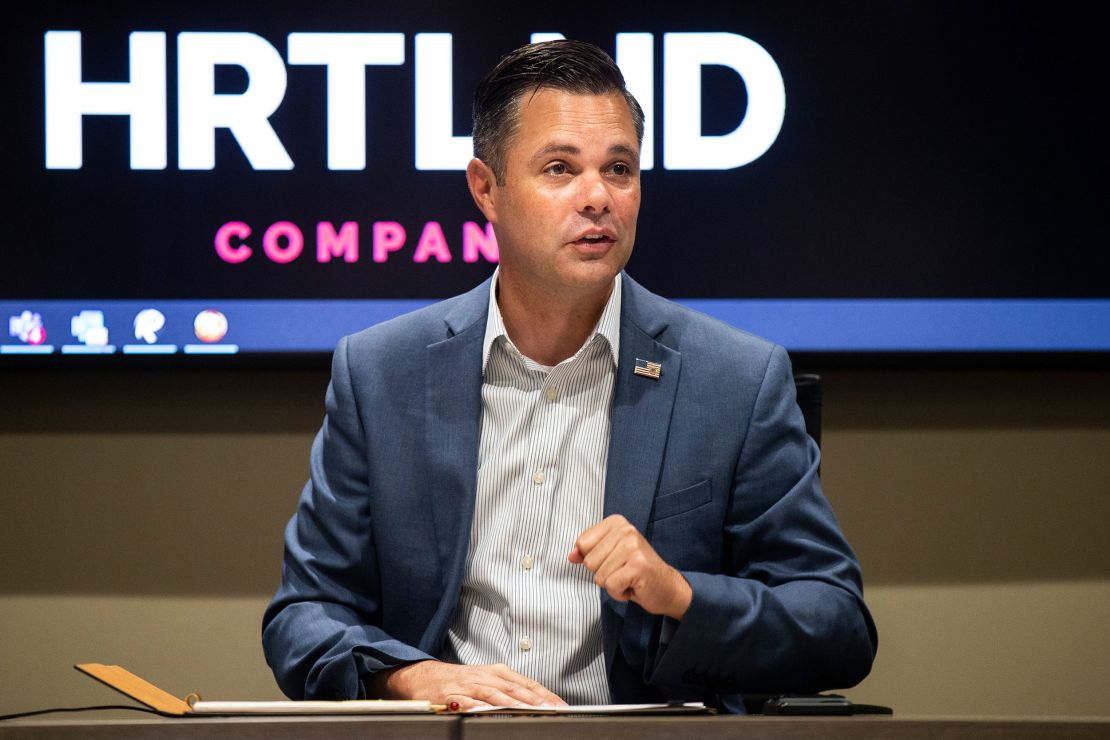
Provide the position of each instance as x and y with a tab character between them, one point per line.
565	216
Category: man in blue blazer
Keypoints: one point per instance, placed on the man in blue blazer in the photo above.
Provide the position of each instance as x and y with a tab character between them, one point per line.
718	564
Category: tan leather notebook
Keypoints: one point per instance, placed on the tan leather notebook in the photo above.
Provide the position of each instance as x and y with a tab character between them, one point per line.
144	692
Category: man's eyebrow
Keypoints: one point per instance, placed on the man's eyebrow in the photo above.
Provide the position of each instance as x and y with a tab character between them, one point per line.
616	149
556	149
623	149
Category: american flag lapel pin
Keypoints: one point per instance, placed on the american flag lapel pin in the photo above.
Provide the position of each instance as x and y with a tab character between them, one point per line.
647	369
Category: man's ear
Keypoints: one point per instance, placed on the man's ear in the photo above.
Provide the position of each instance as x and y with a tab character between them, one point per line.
483	188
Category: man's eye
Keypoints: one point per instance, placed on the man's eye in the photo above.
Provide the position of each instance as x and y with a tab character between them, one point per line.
557	168
621	169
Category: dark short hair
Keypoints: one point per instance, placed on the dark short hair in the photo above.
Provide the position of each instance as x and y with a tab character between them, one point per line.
570	66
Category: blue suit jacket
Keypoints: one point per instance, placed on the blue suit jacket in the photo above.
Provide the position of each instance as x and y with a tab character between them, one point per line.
711	462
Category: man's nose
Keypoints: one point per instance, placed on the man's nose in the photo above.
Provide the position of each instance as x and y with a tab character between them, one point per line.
594	196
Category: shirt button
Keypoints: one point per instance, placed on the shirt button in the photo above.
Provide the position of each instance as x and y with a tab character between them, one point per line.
525	644
537	477
527	562
552	393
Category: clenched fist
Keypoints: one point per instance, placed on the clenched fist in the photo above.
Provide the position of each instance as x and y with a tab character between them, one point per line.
628	568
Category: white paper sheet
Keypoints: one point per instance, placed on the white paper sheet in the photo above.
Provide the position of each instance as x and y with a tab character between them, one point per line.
357	706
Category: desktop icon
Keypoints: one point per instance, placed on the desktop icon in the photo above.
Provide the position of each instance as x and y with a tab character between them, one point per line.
148	323
210	326
27	327
88	327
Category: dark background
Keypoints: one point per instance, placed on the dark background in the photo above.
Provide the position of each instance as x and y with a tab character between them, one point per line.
929	149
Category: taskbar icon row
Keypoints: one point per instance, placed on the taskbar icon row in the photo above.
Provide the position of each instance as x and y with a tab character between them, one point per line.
91	332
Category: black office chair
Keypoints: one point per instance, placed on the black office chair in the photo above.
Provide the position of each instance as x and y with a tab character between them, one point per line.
808	386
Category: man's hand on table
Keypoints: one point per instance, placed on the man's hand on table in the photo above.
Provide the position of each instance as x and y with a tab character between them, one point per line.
469	685
628	568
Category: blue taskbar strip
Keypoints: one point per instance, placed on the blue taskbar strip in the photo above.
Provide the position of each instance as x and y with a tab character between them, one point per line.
806	325
88	349
149	349
26	349
211	349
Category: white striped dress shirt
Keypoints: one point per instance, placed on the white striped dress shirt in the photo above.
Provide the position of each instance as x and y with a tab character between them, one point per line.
541	482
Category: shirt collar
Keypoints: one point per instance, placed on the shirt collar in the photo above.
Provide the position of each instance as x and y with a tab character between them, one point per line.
608	326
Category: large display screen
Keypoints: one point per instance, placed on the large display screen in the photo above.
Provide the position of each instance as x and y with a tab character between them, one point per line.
233	178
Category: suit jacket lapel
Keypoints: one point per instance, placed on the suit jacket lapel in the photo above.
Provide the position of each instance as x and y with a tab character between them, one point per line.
641	414
453	417
640	421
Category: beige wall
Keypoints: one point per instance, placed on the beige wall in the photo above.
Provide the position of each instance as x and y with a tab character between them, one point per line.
142	516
